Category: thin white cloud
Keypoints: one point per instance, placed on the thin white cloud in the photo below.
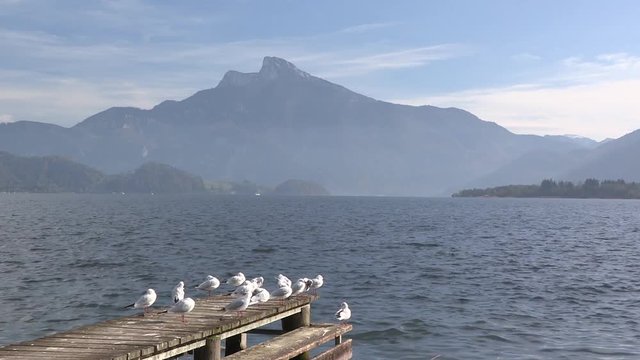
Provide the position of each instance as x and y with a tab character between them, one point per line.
406	57
343	65
362	28
596	99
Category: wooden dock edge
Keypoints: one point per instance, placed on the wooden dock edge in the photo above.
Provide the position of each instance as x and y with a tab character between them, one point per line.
214	341
297	342
342	351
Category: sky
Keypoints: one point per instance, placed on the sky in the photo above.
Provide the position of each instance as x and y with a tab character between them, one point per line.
535	67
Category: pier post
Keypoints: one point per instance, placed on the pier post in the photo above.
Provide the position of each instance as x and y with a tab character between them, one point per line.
210	351
292	322
303	318
235	343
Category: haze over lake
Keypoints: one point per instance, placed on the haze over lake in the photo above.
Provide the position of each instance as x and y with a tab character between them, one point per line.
459	278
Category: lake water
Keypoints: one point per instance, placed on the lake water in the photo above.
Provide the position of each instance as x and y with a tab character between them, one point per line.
458	278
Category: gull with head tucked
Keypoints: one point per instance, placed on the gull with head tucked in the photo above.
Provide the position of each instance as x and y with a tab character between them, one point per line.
209	285
182	307
240	304
236	280
316	283
178	292
147	299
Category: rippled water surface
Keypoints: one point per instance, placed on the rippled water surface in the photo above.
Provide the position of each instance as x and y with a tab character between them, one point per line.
458	278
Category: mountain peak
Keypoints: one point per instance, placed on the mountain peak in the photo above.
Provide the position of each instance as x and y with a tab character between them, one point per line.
236	78
274	67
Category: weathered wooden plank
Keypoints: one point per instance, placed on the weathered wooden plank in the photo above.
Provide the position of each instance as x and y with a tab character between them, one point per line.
15	355
293	343
145	340
31	352
231	331
154	336
342	351
175	351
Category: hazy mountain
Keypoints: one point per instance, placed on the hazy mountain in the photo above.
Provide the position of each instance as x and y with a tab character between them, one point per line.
575	139
612	160
533	167
152	178
282	123
55	174
45	174
300	188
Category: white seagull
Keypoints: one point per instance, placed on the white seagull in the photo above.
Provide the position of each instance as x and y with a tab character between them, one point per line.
281	293
317	283
260	295
236	280
178	292
241	290
240	304
209	285
258	282
147	299
182	307
283	281
300	286
344	313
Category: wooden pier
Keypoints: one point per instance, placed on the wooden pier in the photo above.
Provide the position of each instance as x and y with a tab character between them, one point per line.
163	336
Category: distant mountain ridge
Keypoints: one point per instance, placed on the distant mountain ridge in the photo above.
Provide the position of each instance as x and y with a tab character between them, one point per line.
53	174
283	123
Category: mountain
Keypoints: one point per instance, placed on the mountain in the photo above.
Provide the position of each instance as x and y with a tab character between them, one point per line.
152	178
52	174
283	123
613	159
45	174
300	188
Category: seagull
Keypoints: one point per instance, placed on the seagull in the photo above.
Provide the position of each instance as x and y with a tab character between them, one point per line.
258	282
209	285
260	295
178	292
300	286
182	307
344	313
241	290
240	304
236	280
283	281
147	299
317	283
281	293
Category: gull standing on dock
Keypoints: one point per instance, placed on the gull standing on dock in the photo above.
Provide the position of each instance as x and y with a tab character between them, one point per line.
260	295
316	283
147	299
344	313
236	280
258	282
178	292
240	304
241	290
300	286
209	285
182	307
281	293
283	281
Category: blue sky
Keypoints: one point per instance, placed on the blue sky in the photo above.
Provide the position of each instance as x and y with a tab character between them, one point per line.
540	67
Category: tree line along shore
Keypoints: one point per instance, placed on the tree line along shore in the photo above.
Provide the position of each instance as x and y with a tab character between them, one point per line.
590	188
